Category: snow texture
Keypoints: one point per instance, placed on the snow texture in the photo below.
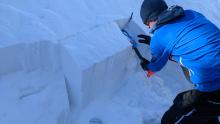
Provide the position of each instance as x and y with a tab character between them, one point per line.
67	62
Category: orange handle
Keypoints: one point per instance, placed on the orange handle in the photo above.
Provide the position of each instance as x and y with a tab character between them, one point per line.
149	73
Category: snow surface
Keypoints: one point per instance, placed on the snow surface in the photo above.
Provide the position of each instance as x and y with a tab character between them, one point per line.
66	62
31	98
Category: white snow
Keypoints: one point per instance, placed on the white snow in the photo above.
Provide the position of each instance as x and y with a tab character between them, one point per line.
66	62
37	97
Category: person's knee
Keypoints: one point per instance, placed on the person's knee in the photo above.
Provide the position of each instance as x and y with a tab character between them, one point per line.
182	104
168	118
172	115
178	99
187	99
182	100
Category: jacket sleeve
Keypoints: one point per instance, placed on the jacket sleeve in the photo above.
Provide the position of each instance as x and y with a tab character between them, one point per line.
160	54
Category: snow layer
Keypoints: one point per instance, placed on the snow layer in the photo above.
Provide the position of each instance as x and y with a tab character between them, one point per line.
66	62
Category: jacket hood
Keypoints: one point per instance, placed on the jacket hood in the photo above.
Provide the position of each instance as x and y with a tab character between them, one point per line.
168	15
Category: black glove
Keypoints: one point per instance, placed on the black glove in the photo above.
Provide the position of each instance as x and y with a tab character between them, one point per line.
144	64
144	39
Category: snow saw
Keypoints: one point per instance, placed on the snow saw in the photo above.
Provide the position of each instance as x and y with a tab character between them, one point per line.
134	43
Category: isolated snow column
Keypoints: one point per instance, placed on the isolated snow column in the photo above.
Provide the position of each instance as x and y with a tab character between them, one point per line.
96	63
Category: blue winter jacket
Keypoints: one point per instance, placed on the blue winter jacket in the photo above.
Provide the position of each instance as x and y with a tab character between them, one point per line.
194	42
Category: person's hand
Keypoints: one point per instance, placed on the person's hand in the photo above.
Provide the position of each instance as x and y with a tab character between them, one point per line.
144	39
144	64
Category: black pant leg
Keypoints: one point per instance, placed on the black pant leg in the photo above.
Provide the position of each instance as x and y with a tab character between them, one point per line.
199	118
182	104
213	121
206	110
172	115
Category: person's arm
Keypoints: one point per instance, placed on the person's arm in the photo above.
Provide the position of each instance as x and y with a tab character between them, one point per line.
160	54
158	61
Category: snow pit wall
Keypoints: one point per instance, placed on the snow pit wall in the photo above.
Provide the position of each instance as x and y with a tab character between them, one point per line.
28	57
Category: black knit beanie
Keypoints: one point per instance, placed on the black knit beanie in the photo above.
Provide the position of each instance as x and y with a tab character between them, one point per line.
151	9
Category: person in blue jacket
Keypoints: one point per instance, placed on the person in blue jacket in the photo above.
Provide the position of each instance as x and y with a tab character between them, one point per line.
190	39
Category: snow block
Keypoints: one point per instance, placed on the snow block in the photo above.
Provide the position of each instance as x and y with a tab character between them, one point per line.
97	62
